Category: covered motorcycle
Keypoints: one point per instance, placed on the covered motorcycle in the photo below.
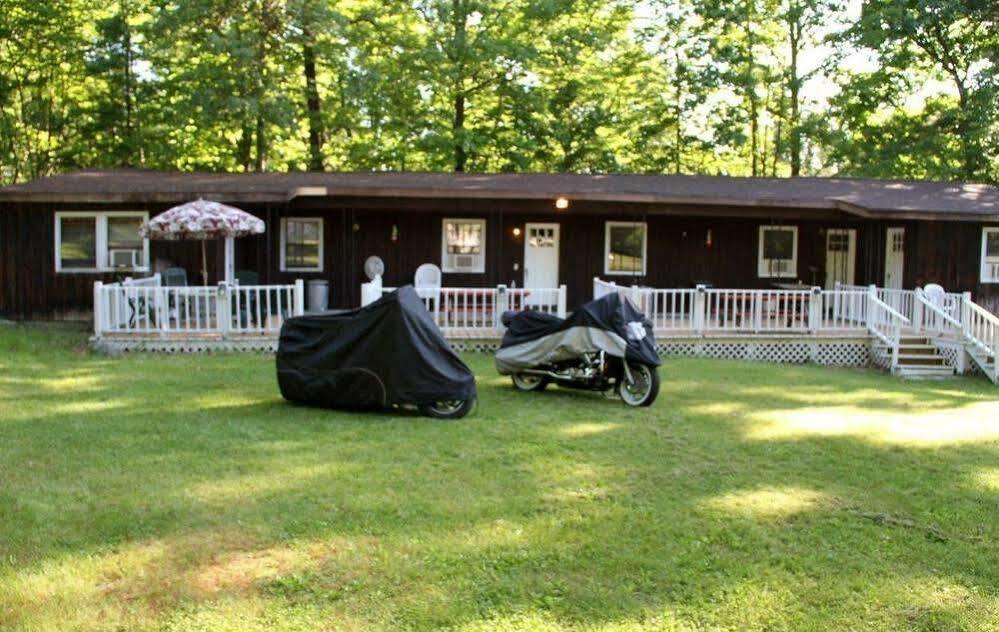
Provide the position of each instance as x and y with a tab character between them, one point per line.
607	343
389	353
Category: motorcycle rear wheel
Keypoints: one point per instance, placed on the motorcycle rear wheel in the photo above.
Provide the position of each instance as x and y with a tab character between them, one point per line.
449	409
529	382
643	390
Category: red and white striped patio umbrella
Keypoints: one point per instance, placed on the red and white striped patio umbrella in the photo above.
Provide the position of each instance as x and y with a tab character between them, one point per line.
202	220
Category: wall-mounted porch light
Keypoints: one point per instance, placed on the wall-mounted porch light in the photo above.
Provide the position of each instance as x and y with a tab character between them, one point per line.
516	231
562	203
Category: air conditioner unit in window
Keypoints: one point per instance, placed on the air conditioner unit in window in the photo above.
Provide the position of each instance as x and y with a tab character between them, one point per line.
461	263
779	266
125	258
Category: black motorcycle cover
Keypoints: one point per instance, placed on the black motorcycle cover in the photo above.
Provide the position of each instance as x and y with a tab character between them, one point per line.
389	352
611	324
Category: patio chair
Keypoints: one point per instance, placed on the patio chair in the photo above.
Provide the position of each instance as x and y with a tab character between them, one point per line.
428	283
247	277
174	277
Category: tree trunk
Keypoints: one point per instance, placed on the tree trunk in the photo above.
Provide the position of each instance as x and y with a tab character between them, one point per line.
754	123
128	86
261	162
795	89
458	132
244	146
971	150
678	137
312	105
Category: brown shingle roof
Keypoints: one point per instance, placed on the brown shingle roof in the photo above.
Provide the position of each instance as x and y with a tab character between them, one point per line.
855	195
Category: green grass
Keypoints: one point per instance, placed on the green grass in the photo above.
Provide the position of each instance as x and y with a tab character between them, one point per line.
182	493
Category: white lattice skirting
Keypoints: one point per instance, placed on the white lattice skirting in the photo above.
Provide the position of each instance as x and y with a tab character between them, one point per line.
114	346
833	351
783	350
955	355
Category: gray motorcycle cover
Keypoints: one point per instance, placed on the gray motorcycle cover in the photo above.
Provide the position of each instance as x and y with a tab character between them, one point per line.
610	324
387	353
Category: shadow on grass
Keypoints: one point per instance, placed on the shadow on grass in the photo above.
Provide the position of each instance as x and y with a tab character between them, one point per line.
562	505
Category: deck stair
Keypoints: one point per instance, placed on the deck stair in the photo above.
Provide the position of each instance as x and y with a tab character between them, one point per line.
919	358
987	363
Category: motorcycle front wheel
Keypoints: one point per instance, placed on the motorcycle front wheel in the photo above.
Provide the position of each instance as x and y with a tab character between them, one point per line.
529	382
643	389
449	409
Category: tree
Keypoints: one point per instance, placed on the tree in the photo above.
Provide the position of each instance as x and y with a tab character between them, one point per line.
946	37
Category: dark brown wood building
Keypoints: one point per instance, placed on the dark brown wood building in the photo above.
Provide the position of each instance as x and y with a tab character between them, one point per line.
61	234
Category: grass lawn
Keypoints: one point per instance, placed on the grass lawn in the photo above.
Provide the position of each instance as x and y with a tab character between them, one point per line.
182	493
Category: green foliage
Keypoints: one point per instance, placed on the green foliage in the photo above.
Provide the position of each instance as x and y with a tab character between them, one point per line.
650	86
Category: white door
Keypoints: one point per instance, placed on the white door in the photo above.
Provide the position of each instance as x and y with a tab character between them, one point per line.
894	257
541	246
841	256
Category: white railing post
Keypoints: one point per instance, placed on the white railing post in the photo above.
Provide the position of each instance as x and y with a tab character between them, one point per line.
872	296
815	309
98	309
917	310
700	304
224	316
299	297
500	303
162	309
561	301
966	319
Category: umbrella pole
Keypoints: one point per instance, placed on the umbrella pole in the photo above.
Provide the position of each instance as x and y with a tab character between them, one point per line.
204	264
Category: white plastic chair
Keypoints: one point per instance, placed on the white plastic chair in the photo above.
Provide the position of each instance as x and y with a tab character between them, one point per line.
935	294
428	284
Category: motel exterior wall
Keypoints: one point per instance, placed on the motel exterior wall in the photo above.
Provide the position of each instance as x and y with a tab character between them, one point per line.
944	252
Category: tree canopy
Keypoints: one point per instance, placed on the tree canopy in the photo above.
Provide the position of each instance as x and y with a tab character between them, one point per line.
879	88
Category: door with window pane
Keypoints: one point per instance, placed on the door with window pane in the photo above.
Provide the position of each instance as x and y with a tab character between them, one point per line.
894	257
841	255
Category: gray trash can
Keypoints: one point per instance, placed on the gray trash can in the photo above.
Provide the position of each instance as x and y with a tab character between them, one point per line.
318	295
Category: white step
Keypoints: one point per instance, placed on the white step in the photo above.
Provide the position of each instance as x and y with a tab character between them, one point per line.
924	372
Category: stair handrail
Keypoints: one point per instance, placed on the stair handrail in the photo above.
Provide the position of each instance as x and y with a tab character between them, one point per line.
981	327
895	321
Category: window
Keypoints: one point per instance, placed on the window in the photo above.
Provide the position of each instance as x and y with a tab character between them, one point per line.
990	255
463	245
302	244
100	242
625	245
778	254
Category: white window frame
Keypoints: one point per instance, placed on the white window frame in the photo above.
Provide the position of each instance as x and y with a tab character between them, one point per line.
764	268
990	265
101	254
645	248
284	238
480	268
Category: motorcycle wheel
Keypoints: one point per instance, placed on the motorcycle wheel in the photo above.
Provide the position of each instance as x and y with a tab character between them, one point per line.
448	409
528	382
643	390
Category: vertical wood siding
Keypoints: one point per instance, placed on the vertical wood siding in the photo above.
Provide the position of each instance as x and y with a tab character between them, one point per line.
678	255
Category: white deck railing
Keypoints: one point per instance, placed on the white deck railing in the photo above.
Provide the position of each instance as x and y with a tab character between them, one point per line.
885	323
703	310
145	307
981	329
883	313
471	311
